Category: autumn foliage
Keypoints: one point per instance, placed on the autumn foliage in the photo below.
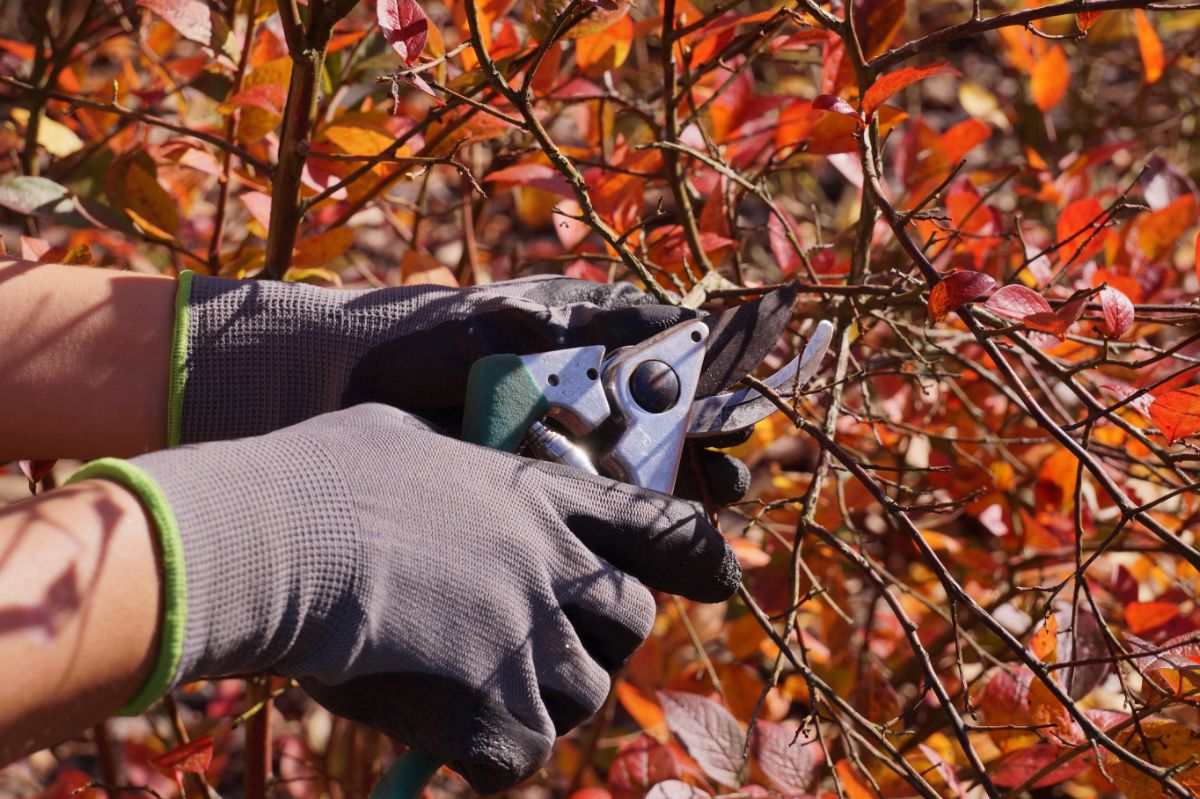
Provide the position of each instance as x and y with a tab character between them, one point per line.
971	565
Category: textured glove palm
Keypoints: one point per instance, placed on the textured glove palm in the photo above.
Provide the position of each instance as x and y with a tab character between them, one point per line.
465	601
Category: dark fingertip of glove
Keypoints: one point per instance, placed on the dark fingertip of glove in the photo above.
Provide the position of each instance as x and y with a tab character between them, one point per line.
607	641
733	439
713	476
665	542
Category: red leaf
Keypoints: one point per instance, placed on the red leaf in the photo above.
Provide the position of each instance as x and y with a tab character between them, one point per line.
835	104
956	289
270	97
787	760
893	82
781	246
963	137
708	732
541	176
192	757
1084	20
1015	768
1177	413
640	764
1158	230
1143	617
1118	312
1058	322
404	27
1017	302
1076	226
1174	666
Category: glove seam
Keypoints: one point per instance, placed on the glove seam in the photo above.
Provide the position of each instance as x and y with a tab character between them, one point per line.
166	528
177	379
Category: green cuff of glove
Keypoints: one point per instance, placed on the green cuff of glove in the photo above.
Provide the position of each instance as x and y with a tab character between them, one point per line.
170	640
179	344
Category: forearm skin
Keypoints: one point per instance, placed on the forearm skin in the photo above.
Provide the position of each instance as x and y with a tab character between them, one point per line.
84	361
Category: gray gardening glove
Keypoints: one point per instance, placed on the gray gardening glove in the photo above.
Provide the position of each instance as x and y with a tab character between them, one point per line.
254	356
467	602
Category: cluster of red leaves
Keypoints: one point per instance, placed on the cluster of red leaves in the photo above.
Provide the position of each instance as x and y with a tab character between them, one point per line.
1043	175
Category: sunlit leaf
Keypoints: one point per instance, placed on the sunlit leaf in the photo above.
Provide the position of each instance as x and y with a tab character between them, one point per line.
1118	312
404	27
319	250
28	194
956	289
1157	231
1079	226
1163	742
606	49
1050	79
1177	413
887	85
1145	617
1150	46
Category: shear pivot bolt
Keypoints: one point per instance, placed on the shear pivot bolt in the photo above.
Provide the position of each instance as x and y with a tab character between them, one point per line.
654	386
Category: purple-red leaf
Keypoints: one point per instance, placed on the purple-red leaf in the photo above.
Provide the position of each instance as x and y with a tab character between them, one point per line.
709	733
675	789
404	27
788	761
836	105
191	18
955	290
1118	312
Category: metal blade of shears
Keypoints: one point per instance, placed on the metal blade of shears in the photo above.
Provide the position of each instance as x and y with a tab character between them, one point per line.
739	339
737	410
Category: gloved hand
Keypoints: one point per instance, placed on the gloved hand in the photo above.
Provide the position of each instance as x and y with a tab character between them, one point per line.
255	356
468	602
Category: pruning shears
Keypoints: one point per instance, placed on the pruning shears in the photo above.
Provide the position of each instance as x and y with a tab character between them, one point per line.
626	413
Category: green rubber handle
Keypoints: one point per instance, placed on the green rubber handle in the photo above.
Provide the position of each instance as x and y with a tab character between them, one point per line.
503	399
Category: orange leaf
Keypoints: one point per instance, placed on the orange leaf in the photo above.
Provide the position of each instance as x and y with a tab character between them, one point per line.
1177	413
1144	617
192	757
1150	47
606	49
1164	742
1045	641
645	712
318	250
956	289
1051	76
1158	231
876	23
893	82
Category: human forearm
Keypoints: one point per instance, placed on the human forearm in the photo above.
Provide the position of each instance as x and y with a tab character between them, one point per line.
79	609
84	361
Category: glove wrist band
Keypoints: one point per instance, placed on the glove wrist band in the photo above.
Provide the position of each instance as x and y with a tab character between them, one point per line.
174	577
179	346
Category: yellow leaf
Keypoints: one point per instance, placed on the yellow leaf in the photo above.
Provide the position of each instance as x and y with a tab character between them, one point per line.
316	251
146	202
355	140
418	268
255	122
55	137
301	275
1168	744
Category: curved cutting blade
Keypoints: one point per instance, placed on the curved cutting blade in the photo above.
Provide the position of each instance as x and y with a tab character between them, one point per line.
739	339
